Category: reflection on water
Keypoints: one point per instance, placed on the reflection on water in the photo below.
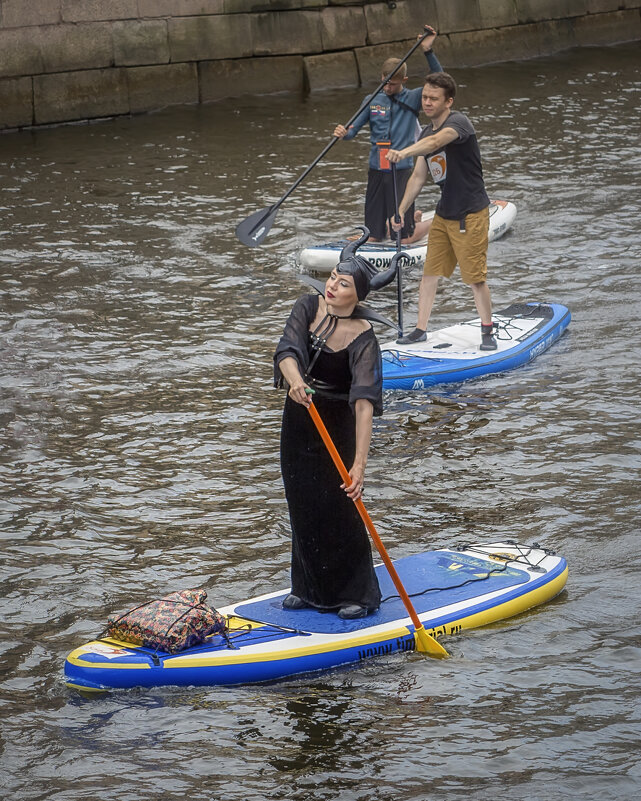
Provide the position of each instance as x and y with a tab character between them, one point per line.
140	449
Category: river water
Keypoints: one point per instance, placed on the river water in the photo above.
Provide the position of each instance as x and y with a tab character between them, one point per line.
140	450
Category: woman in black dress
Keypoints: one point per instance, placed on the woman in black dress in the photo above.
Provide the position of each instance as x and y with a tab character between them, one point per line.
328	345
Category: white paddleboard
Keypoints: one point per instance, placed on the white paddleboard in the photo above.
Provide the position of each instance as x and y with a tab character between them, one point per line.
323	258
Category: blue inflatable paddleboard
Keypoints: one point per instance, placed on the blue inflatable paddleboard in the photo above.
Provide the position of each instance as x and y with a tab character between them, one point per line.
452	354
451	590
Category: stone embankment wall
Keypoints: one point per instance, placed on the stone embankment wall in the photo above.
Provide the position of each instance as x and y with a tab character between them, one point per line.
63	60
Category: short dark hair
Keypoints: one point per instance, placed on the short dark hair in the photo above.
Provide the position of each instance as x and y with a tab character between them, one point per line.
442	80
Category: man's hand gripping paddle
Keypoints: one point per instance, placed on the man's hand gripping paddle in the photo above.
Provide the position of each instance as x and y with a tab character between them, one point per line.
424	641
253	229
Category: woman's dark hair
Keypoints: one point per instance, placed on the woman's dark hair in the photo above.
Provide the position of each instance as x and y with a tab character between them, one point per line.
442	80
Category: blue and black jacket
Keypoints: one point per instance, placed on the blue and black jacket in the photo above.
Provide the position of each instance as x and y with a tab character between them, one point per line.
393	119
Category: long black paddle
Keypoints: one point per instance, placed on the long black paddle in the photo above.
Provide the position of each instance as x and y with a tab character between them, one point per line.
399	272
253	229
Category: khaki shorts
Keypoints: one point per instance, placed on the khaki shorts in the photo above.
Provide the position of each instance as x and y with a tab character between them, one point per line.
448	246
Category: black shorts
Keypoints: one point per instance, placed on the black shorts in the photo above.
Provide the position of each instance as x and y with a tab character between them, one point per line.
379	203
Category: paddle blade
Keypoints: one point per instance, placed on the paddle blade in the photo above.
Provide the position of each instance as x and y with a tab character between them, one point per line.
428	645
253	229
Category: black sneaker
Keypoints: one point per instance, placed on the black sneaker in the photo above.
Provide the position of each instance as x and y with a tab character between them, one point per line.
293	602
417	335
488	342
352	611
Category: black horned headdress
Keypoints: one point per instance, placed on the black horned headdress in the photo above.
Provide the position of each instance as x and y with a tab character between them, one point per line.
366	276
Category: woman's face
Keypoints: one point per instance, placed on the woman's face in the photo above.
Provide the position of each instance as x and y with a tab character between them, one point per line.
340	290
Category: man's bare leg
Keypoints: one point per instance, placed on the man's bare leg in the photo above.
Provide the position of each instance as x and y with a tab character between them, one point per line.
426	295
483	303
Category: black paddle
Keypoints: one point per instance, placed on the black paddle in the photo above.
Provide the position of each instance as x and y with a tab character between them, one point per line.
399	272
253	229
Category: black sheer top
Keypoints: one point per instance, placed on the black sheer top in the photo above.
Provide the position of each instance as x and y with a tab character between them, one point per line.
354	371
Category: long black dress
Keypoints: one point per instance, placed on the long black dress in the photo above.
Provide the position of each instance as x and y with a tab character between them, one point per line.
331	556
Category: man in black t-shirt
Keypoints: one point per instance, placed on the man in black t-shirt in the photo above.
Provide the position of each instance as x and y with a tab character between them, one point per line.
459	232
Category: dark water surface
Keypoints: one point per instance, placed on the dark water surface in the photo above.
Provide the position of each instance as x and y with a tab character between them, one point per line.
140	451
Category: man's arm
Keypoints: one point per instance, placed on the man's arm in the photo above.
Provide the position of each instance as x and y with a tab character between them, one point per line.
414	185
424	146
341	132
432	62
427	44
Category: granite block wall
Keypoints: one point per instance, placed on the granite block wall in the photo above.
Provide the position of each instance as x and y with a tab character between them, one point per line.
65	60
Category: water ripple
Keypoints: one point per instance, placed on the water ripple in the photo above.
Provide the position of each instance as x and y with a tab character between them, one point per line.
139	450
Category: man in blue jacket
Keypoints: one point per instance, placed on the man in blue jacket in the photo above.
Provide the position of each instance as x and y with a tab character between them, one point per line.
392	115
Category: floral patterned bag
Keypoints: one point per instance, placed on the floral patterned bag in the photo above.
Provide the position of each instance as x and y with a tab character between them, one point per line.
171	624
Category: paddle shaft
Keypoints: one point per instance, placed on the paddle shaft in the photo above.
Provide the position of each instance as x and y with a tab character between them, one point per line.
399	272
270	211
336	458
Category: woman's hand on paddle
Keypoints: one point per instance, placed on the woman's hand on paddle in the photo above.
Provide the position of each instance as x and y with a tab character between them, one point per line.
298	391
340	131
355	489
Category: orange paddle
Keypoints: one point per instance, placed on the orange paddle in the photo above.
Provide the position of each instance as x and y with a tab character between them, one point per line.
424	641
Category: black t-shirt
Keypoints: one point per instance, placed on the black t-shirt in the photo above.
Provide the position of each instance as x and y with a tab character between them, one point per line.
364	354
457	169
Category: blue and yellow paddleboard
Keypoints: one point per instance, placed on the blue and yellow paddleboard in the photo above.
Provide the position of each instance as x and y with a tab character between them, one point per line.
451	590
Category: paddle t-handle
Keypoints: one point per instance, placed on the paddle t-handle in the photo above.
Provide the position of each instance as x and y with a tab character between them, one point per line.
424	641
253	229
